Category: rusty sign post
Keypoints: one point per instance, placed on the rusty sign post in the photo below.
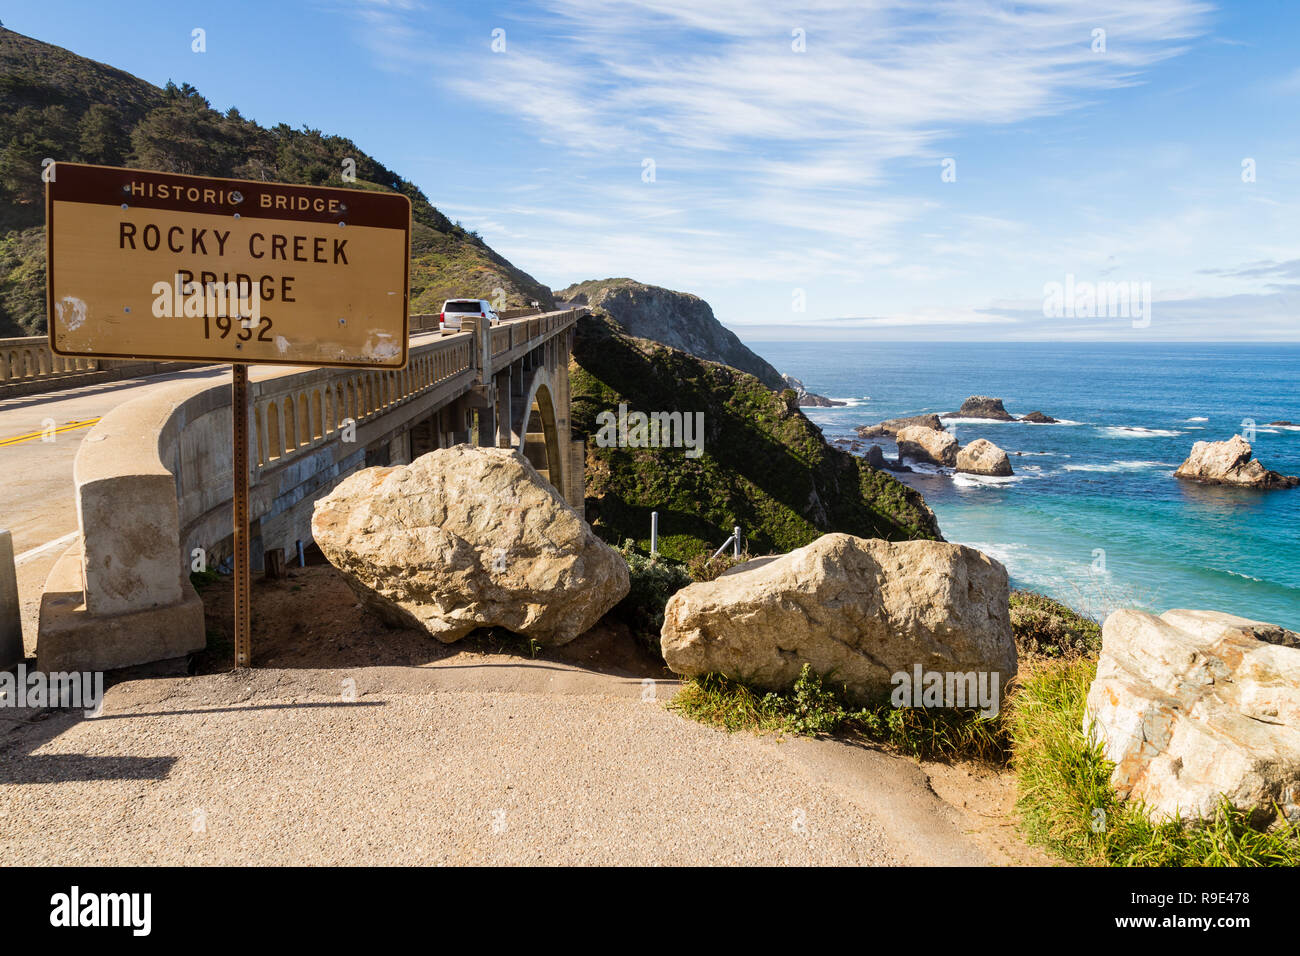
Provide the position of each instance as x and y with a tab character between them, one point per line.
243	574
150	265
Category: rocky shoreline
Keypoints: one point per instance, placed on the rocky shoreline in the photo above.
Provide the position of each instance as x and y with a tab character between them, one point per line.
924	440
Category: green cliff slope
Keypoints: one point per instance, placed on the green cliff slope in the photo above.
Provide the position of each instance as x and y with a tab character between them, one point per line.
764	466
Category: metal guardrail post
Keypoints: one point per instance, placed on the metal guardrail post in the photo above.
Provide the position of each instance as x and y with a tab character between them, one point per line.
733	542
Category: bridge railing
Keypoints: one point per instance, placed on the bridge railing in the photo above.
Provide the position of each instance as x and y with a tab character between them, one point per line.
27	358
292	413
508	335
28	365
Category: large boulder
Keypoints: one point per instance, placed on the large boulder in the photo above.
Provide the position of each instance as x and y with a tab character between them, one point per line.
1229	463
927	445
859	610
982	406
1192	706
890	427
468	537
982	457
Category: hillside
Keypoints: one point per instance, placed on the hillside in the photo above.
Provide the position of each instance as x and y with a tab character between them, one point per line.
764	465
677	319
56	104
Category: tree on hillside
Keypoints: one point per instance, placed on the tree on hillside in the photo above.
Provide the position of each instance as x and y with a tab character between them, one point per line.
40	134
102	137
183	136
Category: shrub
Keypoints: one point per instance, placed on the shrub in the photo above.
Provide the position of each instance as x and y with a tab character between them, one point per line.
653	582
703	567
812	709
1047	628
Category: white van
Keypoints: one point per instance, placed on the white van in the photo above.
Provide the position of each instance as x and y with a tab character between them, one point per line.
453	310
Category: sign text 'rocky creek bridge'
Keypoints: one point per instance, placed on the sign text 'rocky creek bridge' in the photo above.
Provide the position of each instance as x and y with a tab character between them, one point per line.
153	477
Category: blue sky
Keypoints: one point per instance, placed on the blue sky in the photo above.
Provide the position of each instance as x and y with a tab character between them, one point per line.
815	177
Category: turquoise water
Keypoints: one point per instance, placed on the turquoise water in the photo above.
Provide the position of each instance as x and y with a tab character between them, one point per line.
1094	516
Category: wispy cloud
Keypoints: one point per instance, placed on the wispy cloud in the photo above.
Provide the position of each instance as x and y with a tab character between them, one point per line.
785	141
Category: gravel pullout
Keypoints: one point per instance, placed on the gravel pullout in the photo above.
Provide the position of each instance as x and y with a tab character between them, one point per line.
526	762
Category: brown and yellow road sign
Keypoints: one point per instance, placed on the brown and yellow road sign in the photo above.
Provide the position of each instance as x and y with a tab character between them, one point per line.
162	266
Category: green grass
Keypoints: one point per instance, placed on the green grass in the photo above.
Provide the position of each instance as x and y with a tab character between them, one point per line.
812	709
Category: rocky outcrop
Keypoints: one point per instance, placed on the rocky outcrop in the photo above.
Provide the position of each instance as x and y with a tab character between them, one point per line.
891	427
468	537
1192	706
676	319
1229	463
806	398
1038	418
982	457
856	609
1284	424
927	445
982	406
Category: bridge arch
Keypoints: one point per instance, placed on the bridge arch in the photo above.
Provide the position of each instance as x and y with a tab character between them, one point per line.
534	433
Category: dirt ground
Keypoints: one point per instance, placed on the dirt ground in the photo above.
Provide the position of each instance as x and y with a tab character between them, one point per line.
312	619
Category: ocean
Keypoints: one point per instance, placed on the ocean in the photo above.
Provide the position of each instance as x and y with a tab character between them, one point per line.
1093	516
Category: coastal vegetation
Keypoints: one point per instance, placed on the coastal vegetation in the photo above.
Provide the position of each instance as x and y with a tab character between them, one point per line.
764	466
653	582
1067	804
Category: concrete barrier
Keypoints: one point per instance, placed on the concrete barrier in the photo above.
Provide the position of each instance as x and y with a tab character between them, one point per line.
11	621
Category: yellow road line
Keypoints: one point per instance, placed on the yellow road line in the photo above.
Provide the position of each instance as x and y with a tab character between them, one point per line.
33	436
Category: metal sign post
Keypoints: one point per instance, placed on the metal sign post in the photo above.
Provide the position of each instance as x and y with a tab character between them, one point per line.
243	575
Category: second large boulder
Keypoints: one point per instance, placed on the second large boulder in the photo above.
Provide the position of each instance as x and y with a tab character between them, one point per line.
927	445
982	457
468	537
856	609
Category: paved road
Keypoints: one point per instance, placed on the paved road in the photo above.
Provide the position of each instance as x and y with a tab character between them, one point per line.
477	759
